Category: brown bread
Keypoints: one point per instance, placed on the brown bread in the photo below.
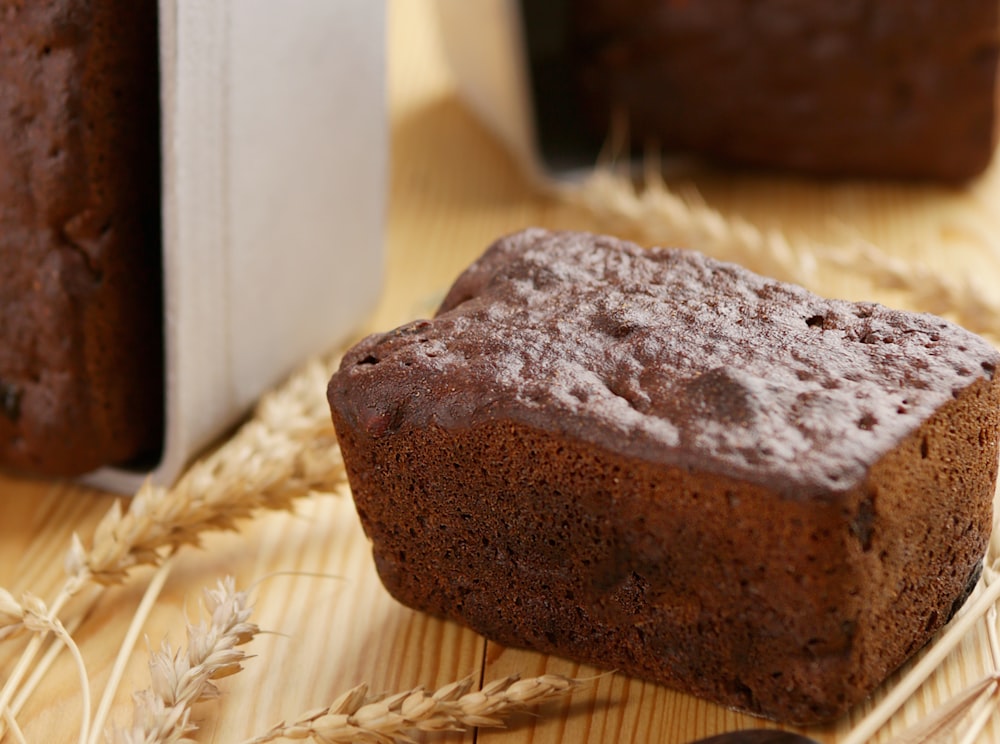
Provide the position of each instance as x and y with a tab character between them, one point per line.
672	467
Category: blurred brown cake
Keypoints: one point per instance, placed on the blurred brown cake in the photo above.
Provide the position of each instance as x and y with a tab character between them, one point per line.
856	88
80	309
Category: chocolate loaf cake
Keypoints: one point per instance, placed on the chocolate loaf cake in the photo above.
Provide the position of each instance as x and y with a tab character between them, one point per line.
860	88
670	466
80	311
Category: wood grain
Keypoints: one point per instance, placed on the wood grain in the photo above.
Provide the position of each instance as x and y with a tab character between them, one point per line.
453	189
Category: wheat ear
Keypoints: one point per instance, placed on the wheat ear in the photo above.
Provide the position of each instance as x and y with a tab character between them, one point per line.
286	451
659	215
11	616
125	649
162	712
359	717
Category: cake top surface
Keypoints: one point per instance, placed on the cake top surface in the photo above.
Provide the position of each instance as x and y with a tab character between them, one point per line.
667	355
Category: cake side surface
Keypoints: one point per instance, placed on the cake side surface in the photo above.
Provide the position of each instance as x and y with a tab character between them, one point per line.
80	309
654	522
788	610
859	88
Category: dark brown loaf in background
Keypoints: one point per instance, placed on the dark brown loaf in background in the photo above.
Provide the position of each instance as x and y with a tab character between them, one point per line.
80	299
858	88
670	466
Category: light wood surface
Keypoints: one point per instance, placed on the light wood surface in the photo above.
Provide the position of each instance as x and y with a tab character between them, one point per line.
453	190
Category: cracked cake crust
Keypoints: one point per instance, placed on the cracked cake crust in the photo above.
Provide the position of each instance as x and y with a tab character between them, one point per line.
667	465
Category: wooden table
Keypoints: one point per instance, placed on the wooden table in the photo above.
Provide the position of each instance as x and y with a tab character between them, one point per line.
453	189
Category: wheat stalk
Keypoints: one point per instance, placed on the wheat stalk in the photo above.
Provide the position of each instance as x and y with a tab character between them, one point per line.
357	716
11	616
162	712
153	588
949	714
13	728
39	619
32	616
286	451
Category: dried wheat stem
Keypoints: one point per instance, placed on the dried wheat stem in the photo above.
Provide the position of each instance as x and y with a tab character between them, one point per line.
23	666
660	215
39	619
945	718
992	638
916	676
981	719
149	598
287	451
11	616
40	670
978	699
11	724
989	709
162	712
357	716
